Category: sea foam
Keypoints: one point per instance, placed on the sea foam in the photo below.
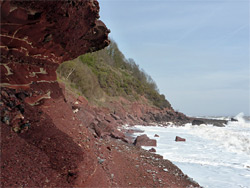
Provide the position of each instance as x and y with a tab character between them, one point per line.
213	156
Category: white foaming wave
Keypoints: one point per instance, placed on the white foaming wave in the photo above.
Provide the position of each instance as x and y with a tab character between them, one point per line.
205	155
233	139
241	122
207	162
240	117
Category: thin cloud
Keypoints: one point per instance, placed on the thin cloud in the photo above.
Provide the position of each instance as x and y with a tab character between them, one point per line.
229	35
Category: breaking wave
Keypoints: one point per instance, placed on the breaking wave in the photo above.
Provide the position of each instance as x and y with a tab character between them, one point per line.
216	157
235	136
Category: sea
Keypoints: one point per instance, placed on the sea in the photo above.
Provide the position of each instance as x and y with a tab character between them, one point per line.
215	157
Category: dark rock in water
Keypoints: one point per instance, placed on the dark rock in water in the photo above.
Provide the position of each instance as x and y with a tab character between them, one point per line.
144	140
152	150
233	119
156	135
218	124
198	122
214	122
179	139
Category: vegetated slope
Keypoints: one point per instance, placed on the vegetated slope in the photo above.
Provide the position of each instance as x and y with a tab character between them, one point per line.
106	74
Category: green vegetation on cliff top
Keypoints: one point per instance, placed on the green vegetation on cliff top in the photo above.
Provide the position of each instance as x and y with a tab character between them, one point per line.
106	74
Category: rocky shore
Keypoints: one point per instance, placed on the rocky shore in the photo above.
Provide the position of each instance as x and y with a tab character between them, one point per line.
60	149
214	122
49	136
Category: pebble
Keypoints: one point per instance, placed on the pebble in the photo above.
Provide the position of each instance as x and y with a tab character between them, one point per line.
100	161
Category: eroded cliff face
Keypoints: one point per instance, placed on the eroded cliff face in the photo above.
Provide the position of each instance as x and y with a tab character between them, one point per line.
49	138
36	36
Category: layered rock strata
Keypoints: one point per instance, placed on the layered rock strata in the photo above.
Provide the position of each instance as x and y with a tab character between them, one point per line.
49	138
36	36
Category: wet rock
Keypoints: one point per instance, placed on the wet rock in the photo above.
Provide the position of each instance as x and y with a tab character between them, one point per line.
144	140
197	122
156	135
214	122
218	124
233	119
179	139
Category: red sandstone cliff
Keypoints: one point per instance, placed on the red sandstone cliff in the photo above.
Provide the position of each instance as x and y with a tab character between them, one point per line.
43	142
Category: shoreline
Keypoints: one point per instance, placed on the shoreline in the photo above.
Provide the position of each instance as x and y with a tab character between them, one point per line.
209	151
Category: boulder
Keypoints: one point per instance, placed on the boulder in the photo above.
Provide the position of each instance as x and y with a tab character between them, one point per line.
117	134
218	124
179	139
82	101
102	129
144	140
214	122
156	135
233	119
197	122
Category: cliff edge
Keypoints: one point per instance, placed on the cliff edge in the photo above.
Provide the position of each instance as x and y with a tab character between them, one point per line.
45	141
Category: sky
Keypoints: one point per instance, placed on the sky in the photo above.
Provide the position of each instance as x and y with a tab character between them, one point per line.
197	51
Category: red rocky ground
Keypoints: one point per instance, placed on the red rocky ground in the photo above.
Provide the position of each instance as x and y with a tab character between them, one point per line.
49	138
